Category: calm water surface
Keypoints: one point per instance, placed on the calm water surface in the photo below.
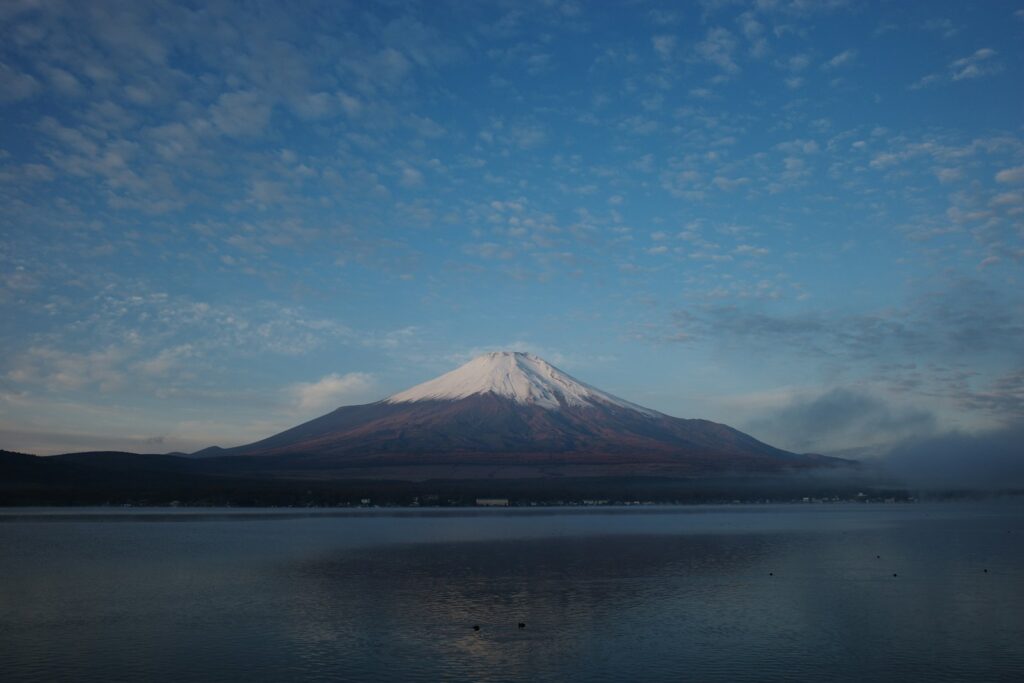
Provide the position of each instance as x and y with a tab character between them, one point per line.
737	593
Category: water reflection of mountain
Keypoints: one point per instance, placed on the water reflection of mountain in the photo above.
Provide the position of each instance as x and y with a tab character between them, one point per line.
416	604
743	594
800	604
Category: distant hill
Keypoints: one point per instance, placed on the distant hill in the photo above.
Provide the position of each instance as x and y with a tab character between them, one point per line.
502	424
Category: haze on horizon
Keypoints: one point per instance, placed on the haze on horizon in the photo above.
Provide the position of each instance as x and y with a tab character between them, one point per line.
802	219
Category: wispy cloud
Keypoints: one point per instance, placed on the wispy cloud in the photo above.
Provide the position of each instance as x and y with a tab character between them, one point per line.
331	391
844	58
204	205
1009	176
980	64
718	48
831	421
664	46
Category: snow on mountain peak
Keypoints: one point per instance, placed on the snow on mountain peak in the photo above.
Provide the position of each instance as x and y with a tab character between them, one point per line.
522	377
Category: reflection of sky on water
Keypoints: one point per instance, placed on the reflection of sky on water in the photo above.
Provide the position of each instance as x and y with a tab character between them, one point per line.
571	593
704	593
728	604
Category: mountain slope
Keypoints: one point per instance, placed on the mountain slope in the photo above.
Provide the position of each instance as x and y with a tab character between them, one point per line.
514	410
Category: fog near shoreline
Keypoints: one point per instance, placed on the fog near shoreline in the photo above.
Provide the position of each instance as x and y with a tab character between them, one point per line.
992	460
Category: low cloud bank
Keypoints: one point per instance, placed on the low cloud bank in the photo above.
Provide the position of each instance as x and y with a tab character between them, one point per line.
897	444
991	460
832	421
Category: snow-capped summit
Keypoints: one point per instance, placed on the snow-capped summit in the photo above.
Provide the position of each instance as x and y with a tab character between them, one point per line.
513	415
522	377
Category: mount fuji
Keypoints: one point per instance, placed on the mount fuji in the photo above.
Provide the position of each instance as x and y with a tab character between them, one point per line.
510	415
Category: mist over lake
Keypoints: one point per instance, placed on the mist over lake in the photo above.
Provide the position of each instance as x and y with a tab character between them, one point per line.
715	593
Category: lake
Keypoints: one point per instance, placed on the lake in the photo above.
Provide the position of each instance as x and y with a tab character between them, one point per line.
858	592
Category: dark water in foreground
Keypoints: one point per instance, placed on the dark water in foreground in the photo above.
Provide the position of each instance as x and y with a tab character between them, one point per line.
696	593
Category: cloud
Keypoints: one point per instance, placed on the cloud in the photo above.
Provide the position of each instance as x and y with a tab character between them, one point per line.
664	46
528	137
944	27
751	250
59	370
167	169
844	58
489	250
16	86
718	48
1003	397
314	105
166	360
729	184
62	81
753	31
538	63
242	113
131	341
919	350
410	177
267	192
988	460
424	45
374	73
977	65
966	320
949	175
425	126
839	420
798	62
1011	175
330	391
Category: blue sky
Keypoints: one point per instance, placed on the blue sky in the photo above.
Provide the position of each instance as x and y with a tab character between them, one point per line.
805	219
